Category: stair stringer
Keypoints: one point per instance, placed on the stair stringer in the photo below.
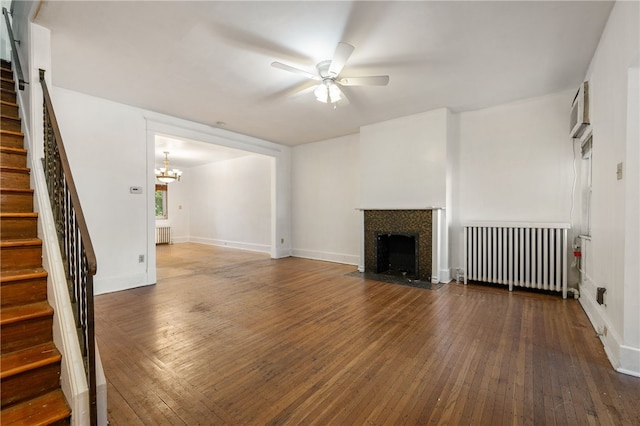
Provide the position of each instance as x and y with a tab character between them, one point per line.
73	379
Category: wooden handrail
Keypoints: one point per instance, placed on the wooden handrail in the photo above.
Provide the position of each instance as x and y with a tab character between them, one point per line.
82	224
14	50
73	237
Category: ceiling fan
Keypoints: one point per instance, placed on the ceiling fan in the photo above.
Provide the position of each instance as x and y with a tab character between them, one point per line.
328	90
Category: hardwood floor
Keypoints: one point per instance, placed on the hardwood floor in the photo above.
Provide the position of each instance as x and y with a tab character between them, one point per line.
233	337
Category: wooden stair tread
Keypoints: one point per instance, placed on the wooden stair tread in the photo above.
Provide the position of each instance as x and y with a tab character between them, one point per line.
7	103
13	314
17	190
23	242
28	359
5	169
7	150
10	132
27	215
14	275
43	410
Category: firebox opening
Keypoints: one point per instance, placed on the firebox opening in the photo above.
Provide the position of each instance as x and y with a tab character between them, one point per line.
397	254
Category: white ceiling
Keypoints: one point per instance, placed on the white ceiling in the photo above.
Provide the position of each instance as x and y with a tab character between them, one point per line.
209	62
186	153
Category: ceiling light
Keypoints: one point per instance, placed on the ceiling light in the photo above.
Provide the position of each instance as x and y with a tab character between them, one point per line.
327	92
165	175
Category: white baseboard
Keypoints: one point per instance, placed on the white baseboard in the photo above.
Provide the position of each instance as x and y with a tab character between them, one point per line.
178	240
629	361
347	259
281	253
262	248
624	359
102	285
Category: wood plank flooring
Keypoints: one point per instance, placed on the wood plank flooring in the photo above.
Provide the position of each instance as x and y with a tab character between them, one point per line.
233	337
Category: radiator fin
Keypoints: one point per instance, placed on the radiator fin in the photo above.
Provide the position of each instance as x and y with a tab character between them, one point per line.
532	256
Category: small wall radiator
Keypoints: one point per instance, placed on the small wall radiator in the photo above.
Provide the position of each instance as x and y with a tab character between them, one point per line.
163	235
530	255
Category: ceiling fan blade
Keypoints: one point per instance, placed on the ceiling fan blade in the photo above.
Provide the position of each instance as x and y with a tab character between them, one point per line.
295	70
290	92
374	80
340	57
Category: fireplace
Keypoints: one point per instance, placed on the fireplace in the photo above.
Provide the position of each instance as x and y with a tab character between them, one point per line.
398	242
397	254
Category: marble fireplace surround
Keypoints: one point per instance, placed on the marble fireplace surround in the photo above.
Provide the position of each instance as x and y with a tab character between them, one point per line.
400	222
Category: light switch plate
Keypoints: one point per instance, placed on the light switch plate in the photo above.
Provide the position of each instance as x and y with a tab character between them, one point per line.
619	171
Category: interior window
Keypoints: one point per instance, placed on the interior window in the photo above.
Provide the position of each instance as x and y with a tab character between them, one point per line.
161	202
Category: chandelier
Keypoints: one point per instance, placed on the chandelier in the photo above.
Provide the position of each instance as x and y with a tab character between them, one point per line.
165	175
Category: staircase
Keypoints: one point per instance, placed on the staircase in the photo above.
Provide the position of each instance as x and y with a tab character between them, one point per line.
30	363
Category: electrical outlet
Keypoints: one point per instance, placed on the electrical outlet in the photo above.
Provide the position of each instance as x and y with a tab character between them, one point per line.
619	171
141	258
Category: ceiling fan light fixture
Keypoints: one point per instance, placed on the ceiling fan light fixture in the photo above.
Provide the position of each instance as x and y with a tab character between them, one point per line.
321	93
327	92
334	93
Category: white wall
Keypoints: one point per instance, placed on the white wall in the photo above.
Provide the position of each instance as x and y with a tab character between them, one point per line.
325	195
512	162
614	141
105	144
34	53
229	203
447	270
403	162
226	203
516	161
110	147
5	45
631	318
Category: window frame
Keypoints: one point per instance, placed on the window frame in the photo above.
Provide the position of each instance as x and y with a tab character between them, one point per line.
164	190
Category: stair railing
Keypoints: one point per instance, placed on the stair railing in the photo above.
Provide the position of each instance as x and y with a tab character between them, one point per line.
74	239
14	49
